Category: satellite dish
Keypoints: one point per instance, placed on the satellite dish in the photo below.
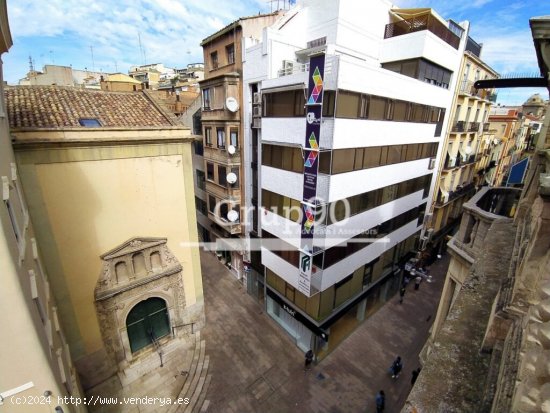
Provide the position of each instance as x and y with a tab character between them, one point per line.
231	178
232	215
231	104
231	149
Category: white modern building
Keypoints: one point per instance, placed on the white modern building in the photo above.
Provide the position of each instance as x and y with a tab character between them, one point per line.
344	105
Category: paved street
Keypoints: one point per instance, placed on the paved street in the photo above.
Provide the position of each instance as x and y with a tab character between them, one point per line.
256	368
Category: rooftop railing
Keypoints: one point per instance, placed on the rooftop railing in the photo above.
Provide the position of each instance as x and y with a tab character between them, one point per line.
425	22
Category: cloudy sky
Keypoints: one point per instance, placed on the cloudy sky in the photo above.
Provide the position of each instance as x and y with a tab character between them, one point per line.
105	34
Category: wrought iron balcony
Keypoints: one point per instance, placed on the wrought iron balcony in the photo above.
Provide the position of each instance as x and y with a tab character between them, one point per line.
459	126
473	127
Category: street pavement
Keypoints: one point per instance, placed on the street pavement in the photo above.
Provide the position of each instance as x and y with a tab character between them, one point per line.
256	367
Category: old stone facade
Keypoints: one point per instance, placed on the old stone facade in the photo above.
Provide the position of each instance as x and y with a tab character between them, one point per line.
137	270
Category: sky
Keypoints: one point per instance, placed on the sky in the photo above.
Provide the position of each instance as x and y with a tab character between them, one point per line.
106	34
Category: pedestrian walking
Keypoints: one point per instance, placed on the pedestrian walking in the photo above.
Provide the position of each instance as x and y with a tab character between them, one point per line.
402	294
309	359
417	281
396	367
380	401
415	374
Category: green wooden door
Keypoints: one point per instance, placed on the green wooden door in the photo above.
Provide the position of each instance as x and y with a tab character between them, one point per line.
149	317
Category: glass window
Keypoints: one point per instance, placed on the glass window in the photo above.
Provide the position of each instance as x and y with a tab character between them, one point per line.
328	102
206	98
347	105
277	156
230	52
201	183
210	171
211	203
221	137
324	162
377	108
394	154
234	137
266	155
343	160
214	60
290	103
222	175
208	136
358	159
371	158
400	111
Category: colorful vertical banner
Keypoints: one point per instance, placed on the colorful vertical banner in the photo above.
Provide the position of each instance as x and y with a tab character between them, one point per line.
314	109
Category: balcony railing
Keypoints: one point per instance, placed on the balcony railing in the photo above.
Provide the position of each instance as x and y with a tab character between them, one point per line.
420	23
467	88
460	191
473	127
486	127
459	126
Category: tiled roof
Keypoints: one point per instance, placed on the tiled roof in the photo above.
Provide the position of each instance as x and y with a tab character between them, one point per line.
62	107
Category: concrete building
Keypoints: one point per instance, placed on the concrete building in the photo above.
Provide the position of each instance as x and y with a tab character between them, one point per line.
345	107
63	76
462	147
505	127
35	358
489	345
109	184
119	82
222	128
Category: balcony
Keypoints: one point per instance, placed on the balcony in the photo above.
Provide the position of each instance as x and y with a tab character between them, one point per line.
486	126
473	127
451	162
447	197
218	155
420	23
459	126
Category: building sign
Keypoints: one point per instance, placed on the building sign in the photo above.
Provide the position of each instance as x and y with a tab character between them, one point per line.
314	109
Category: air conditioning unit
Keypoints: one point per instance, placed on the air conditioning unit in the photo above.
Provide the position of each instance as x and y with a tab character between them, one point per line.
256	123
288	67
257	99
257	111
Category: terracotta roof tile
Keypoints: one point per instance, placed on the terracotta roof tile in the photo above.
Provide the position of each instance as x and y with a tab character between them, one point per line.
58	107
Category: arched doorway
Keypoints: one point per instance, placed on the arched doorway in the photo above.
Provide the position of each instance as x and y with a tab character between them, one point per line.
147	320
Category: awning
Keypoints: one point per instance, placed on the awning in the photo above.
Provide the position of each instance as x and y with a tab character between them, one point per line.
517	172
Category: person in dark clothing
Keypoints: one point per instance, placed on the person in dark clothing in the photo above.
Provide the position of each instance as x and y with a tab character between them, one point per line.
415	374
396	367
309	360
380	401
402	294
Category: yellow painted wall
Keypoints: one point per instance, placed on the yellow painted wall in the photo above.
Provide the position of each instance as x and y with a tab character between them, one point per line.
85	207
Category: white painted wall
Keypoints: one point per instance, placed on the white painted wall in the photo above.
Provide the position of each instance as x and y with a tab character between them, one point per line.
286	183
342	269
283	269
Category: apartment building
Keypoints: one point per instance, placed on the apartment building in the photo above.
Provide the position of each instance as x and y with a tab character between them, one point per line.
505	126
63	76
346	108
222	128
464	146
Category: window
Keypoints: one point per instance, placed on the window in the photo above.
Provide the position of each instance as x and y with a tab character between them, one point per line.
222	175
234	137
211	203
200	205
89	122
230	52
199	149
201	183
348	104
210	171
343	160
221	137
289	103
214	60
283	157
206	98
208	136
377	108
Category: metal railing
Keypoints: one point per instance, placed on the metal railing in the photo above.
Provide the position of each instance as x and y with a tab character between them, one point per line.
425	22
156	345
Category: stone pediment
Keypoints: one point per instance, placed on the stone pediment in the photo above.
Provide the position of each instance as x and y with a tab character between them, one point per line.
133	263
133	245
